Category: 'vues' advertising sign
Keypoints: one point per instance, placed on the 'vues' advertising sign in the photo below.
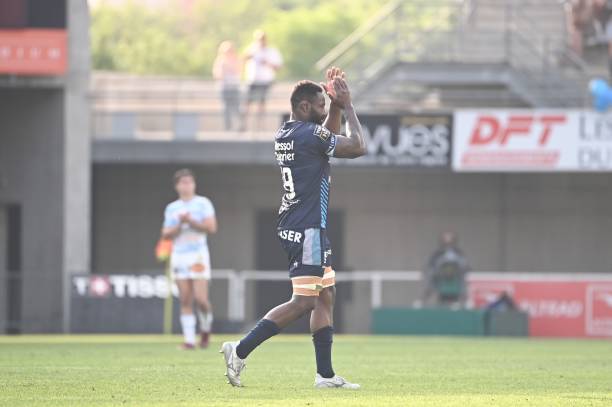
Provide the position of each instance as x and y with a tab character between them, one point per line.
411	139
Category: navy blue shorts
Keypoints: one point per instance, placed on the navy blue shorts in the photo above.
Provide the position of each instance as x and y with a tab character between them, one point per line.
308	251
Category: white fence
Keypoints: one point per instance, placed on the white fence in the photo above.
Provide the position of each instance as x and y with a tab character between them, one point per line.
559	304
237	284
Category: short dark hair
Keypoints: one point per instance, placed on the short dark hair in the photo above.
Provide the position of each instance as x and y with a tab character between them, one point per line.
304	90
183	172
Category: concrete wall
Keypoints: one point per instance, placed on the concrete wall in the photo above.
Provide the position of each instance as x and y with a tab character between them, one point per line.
128	204
45	168
77	143
3	264
549	222
31	157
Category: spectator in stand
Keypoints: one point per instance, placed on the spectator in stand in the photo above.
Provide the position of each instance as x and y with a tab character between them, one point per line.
226	71
580	15
603	15
262	63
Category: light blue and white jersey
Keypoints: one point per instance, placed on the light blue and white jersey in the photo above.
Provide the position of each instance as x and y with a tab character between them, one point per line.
189	240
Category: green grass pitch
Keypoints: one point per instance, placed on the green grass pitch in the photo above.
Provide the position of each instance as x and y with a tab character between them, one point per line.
136	370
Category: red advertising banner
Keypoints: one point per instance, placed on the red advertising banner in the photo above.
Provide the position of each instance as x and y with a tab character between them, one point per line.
33	52
532	140
559	305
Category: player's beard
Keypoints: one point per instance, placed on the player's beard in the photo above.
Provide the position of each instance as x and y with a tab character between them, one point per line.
318	119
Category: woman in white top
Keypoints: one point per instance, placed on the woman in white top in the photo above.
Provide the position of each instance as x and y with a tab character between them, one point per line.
261	63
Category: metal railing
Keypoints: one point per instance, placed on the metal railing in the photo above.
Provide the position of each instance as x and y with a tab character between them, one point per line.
161	108
235	300
467	32
170	125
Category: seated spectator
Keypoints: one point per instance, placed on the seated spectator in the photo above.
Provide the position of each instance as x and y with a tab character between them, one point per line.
603	18
580	16
502	303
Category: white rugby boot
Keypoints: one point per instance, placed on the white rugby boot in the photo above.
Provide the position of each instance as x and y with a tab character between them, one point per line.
234	364
334	382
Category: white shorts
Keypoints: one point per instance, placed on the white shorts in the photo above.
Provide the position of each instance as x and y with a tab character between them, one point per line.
190	266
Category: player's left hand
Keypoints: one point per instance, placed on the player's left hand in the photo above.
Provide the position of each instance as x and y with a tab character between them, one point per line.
331	74
342	94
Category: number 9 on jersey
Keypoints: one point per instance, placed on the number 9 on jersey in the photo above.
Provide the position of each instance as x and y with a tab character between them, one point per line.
288	182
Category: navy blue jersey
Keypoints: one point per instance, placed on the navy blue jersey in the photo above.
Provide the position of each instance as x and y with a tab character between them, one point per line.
302	152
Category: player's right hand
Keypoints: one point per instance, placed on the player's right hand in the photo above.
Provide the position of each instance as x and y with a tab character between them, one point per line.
342	94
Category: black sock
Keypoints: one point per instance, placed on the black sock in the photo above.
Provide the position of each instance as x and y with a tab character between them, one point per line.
264	330
322	340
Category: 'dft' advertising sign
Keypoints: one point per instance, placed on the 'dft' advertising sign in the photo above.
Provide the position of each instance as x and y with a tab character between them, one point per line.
410	139
558	305
532	140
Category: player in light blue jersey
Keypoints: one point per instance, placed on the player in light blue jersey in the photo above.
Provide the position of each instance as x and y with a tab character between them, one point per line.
188	221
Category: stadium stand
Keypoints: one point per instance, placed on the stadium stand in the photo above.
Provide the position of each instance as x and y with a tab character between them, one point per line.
435	55
471	53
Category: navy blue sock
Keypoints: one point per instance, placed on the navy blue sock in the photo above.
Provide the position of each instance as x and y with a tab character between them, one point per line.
264	330
322	340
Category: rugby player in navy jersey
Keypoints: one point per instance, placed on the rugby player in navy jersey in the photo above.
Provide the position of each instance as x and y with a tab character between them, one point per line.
303	147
